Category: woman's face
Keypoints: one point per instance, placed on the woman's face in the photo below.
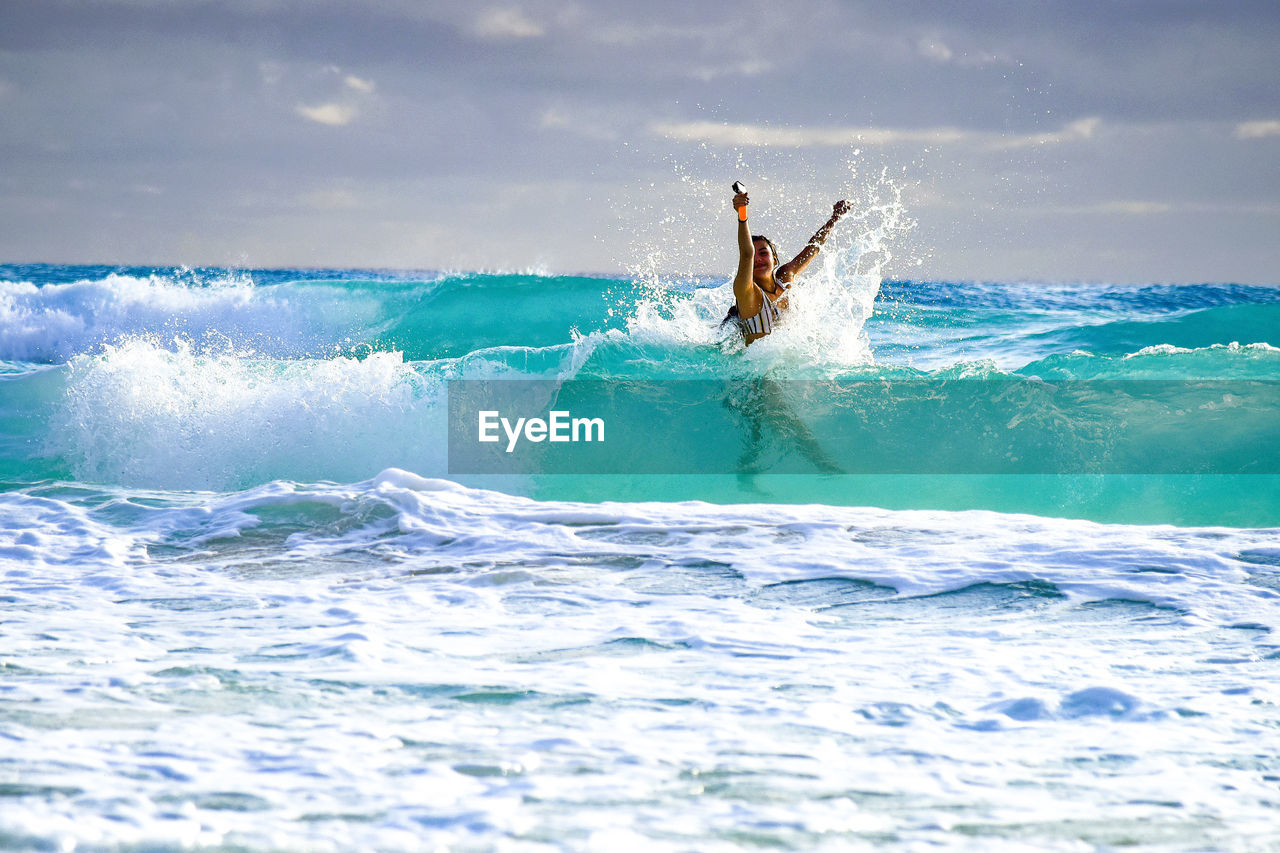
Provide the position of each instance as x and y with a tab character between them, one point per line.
764	261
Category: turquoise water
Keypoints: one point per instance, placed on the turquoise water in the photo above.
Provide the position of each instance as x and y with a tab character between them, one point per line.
954	565
181	379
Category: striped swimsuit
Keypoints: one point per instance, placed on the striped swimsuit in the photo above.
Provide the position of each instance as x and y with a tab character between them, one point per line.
764	321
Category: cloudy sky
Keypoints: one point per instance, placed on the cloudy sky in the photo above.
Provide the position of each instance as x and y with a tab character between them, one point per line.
1103	140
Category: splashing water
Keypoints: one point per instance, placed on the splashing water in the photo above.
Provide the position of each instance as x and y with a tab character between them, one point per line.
824	328
155	416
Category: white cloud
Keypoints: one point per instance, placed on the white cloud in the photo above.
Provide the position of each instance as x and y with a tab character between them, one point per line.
334	115
507	23
588	126
767	136
339	105
934	49
983	59
745	68
1257	129
555	119
1075	132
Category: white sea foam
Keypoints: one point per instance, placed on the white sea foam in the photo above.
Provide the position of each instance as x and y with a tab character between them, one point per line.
39	533
408	661
148	416
1166	361
55	322
913	552
1235	348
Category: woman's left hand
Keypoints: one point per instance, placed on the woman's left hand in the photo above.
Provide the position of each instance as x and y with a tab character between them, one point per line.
840	208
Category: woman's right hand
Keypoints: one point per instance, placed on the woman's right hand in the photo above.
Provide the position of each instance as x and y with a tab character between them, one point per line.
740	200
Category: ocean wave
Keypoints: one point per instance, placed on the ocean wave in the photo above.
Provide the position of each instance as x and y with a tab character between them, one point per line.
406	523
1163	361
937	324
1153	299
54	322
221	380
447	316
183	417
143	415
1243	324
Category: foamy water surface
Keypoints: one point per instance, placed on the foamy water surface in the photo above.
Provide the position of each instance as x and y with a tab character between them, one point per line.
404	659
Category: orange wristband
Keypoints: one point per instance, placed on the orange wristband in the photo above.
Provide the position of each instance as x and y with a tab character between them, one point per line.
742	213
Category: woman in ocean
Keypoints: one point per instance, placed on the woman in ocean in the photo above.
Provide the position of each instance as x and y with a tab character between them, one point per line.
760	285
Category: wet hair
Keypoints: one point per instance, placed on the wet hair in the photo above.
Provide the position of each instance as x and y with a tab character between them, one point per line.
772	248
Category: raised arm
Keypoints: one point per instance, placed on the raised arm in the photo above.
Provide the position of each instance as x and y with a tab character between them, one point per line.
796	265
744	288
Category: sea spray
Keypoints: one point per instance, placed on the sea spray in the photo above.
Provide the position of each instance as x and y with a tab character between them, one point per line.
308	314
829	304
53	322
171	418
